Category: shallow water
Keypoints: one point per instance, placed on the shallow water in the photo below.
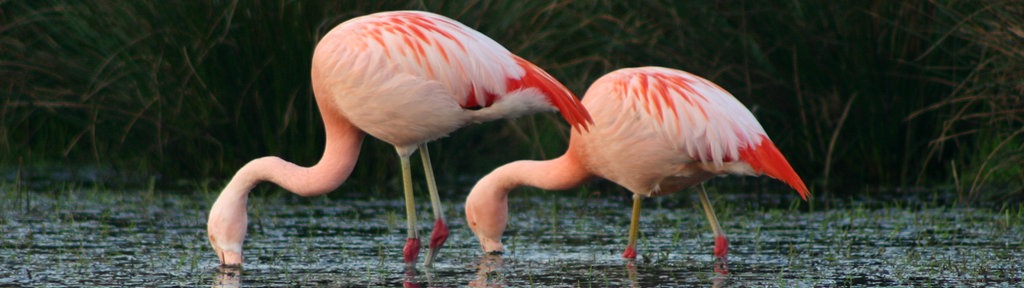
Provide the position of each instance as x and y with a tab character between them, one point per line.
74	236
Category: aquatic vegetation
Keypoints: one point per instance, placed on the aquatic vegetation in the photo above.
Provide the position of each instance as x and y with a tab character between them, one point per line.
74	235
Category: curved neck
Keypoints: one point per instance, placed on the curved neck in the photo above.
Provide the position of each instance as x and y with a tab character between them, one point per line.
487	203
341	152
228	220
561	173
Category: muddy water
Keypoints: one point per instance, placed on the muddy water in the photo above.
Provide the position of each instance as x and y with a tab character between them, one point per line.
92	237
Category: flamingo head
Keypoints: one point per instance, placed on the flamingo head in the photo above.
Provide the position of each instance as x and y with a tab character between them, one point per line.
226	228
487	215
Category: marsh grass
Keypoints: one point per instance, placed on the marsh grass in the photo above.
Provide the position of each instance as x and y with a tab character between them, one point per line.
856	94
984	112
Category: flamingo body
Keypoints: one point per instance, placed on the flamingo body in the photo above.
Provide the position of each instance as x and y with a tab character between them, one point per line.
428	75
656	131
405	77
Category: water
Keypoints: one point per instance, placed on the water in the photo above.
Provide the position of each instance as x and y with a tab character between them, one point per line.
83	236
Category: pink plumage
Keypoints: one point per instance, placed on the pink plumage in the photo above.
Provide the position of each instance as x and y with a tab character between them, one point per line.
678	119
683	105
441	58
656	130
406	78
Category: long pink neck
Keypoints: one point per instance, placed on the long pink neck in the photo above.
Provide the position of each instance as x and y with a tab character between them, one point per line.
228	218
340	154
564	172
487	203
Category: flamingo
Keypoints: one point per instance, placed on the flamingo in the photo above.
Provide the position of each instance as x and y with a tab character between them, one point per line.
404	77
657	130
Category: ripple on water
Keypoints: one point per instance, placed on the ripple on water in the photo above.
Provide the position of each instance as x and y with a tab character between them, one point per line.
118	238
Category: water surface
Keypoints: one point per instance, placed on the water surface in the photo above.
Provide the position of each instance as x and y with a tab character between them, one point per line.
85	236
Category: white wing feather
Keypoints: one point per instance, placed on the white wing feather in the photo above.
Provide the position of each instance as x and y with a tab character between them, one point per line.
430	46
695	115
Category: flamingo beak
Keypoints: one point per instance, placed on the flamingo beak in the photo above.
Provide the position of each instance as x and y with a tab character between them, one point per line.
230	255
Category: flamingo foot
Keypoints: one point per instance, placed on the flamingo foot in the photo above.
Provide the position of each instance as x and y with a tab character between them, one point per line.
630	253
721	247
437	239
721	255
439	235
412	250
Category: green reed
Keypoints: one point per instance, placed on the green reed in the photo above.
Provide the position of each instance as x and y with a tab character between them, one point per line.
856	94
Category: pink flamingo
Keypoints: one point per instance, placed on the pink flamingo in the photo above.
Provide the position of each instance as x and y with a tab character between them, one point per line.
656	131
405	77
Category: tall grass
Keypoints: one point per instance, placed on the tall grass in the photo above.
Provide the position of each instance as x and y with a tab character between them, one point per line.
983	116
876	93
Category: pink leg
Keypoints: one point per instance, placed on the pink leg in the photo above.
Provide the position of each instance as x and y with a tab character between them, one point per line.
721	247
440	233
412	242
411	251
721	244
634	229
721	255
438	237
630	253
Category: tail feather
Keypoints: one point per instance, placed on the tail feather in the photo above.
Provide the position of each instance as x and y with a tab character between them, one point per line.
559	96
765	158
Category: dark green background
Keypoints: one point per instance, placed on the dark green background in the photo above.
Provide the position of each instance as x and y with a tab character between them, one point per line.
859	95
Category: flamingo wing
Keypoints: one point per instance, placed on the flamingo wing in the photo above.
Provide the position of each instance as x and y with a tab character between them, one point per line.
700	119
477	71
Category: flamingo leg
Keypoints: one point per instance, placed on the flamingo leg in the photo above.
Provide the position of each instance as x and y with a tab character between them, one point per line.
412	244
440	233
721	243
634	229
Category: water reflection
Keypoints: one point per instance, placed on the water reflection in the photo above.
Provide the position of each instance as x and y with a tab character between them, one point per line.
228	277
721	266
631	273
718	279
719	274
410	277
96	233
488	273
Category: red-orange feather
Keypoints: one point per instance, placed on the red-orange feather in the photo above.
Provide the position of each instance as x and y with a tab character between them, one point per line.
477	71
694	119
557	94
766	158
